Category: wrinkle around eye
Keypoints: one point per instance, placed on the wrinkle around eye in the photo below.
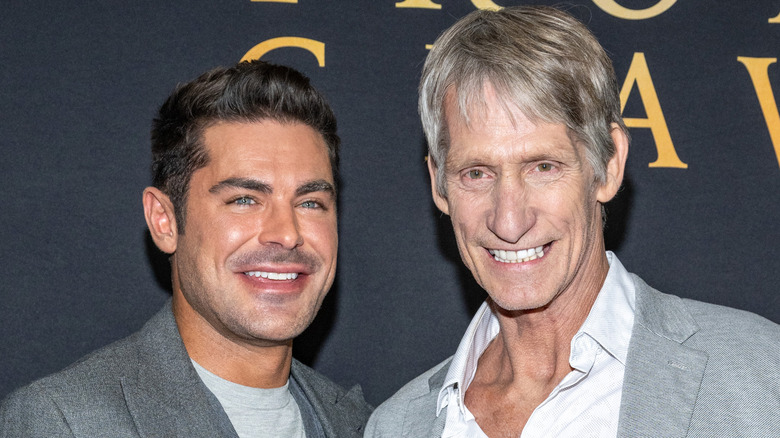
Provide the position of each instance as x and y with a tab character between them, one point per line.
465	181
474	173
553	172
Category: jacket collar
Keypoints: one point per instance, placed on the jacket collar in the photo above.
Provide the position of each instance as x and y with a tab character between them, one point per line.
341	414
165	396
663	376
422	410
661	381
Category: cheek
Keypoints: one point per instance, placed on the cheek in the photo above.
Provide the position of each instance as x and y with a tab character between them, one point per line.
467	209
568	203
231	233
228	234
468	229
462	223
322	236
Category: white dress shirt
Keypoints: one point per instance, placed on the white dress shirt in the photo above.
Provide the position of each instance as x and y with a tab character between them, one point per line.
587	401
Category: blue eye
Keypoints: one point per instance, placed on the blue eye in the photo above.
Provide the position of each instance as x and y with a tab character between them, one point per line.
244	200
310	204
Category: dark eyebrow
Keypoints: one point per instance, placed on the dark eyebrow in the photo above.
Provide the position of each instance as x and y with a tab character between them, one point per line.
241	183
319	185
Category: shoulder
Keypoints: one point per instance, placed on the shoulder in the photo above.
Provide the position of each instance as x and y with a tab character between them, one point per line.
711	324
43	408
88	388
315	382
734	338
30	411
740	381
91	371
342	411
419	386
124	357
730	322
741	351
389	418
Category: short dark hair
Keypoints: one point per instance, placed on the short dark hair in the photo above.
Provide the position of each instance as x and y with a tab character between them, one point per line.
247	92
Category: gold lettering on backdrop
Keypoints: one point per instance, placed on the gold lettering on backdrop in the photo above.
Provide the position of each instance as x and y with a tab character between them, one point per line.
420	4
775	20
486	4
315	47
758	68
613	8
639	73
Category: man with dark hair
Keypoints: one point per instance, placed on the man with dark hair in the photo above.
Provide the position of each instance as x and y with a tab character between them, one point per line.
521	111
244	201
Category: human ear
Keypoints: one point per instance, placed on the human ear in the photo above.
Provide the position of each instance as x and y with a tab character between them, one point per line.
616	165
438	199
161	220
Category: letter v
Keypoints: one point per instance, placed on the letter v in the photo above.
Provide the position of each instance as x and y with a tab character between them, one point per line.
758	68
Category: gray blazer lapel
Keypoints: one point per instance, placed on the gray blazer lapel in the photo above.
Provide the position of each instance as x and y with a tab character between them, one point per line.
420	416
662	376
166	397
341	414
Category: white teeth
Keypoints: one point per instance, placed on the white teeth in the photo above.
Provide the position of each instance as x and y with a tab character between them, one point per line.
273	275
523	255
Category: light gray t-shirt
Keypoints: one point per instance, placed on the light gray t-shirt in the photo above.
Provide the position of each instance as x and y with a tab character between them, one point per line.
256	412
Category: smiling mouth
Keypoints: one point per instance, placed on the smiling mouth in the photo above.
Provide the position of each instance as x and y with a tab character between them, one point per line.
523	255
278	276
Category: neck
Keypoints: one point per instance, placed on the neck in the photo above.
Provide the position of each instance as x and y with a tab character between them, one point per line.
235	360
536	343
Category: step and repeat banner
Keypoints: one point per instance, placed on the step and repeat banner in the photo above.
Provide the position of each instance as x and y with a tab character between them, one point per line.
81	81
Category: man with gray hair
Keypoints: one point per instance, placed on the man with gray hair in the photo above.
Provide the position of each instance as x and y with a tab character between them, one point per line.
526	144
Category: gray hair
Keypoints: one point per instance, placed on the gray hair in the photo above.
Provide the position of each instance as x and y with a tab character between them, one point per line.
539	59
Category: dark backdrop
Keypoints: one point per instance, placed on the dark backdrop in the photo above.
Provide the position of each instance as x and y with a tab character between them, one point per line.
81	80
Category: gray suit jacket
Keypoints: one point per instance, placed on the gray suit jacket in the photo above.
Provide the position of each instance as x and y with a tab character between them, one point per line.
146	386
693	370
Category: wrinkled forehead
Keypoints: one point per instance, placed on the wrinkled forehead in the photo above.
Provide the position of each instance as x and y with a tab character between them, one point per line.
468	109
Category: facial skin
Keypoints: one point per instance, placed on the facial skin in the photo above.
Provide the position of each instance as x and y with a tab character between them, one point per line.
517	189
258	253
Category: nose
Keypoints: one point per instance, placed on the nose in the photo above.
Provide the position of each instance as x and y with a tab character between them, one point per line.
280	227
511	216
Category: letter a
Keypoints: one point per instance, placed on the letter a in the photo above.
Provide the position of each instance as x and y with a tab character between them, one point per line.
639	73
758	68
